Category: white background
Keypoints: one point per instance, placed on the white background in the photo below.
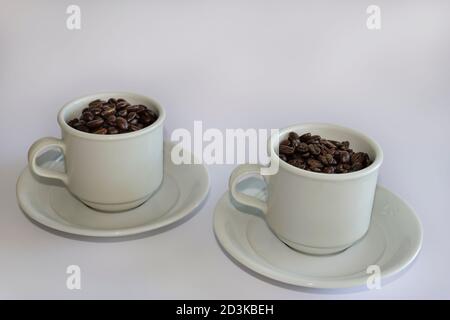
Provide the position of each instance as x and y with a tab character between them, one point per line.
232	64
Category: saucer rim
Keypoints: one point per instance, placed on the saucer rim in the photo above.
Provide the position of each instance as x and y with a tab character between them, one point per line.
42	219
327	282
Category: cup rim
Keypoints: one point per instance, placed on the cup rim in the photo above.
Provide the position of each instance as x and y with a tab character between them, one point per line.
326	176
110	137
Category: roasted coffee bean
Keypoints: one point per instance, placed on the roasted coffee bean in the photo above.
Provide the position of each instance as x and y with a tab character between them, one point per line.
324	150
120	105
80	122
113	130
293	136
101	131
328	170
345	145
327	159
131	115
286	149
147	117
108	112
133	108
134	127
95	123
96	111
305	155
113	116
345	156
342	168
367	159
95	103
83	128
87	116
302	147
73	122
305	137
358	157
121	123
327	143
313	153
323	159
141	108
295	142
313	139
299	163
111	120
314	149
313	163
122	113
330	159
337	144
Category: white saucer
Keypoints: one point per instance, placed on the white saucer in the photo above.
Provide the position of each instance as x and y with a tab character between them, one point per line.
183	189
392	242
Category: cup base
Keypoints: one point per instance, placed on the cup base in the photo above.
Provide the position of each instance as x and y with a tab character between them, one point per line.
116	207
317	251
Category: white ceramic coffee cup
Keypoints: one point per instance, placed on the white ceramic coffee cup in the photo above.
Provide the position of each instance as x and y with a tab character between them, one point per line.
313	212
106	172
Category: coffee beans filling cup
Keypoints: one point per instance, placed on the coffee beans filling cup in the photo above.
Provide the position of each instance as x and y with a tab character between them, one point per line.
309	209
314	153
110	166
114	116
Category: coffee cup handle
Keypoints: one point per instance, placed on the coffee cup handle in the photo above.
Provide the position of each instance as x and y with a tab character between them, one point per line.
39	147
240	173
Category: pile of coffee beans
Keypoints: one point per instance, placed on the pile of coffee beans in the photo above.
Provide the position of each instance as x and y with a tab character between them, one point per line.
313	153
113	116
